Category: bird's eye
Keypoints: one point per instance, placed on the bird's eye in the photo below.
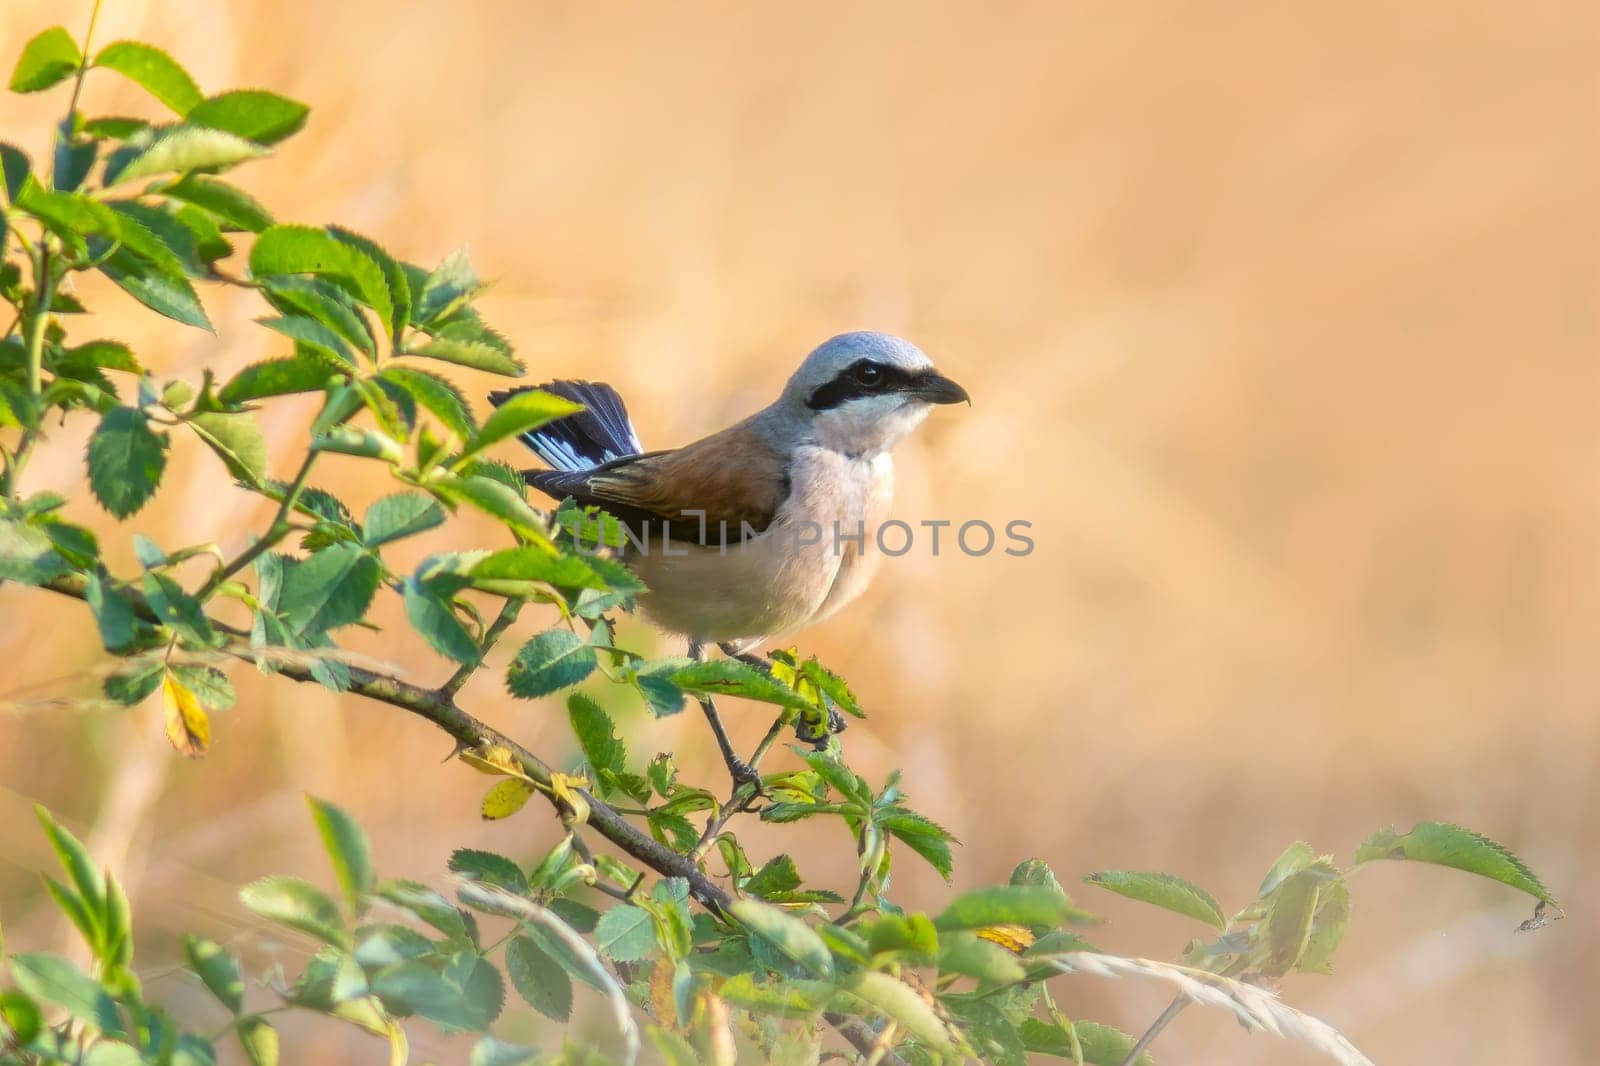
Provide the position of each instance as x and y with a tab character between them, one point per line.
867	374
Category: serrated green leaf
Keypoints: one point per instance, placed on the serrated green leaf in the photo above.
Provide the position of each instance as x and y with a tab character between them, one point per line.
177	609
789	935
902	933
1163	890
879	993
255	115
429	612
730	677
1288	924
26	554
451	284
404	514
113	612
784	999
1101	1045
435	394
134	686
47	59
625	934
178	149
160	75
473	354
330	589
276	377
1327	927
237	209
323	301
415	988
394	274
551	661
506	570
314	335
209	685
217	971
1443	844
297	904
524	411
923	836
538	978
1030	905
126	459
237	440
348	849
488	867
164	294
53	979
430	907
965	953
307	250
595	732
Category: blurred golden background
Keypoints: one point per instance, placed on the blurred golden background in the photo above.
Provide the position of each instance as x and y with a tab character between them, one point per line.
1280	326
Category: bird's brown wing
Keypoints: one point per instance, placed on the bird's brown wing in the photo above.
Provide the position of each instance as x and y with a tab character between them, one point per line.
735	477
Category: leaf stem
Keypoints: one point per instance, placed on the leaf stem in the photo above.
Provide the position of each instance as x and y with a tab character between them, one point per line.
83	66
491	637
45	283
279	529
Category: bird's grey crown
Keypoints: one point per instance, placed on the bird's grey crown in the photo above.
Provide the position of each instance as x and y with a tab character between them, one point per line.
833	356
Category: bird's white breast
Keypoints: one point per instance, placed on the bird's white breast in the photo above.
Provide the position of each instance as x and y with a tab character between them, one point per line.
816	556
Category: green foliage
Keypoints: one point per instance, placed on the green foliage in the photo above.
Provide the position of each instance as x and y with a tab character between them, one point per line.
691	943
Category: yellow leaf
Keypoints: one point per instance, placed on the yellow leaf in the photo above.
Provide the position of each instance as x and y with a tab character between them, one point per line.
564	788
663	1006
1014	938
492	759
506	798
187	725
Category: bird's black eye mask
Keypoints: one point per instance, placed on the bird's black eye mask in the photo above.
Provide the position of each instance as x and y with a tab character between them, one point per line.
864	377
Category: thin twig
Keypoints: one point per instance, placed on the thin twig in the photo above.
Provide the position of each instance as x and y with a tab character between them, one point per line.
1149	1035
491	637
277	531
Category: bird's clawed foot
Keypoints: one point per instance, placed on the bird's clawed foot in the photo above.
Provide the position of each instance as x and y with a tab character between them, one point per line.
743	775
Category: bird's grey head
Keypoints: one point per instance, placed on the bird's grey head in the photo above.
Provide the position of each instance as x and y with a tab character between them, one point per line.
861	393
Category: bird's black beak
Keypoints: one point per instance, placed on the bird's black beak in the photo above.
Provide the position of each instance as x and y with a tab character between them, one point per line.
936	388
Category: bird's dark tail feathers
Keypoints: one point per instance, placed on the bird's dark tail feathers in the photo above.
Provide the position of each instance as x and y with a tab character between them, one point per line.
599	434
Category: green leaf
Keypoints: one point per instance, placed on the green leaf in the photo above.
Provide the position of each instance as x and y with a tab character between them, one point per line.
113	611
1296	857
297	904
155	236
791	936
237	440
332	588
177	609
48	59
348	849
152	68
473	354
112	355
966	953
834	687
86	877
237	209
601	745
324	301
1444	844
394	274
429	906
164	294
255	115
405	514
53	979
208	684
26	554
903	933
450	285
730	677
1030	905
178	149
307	250
488	867
217	970
524	411
415	988
923	836
276	377
1288	924
428	610
1101	1045
552	660
20	1016
134	686
497	500
259	1040
506	570
539	979
1328	924
882	994
126	459
314	335
435	394
491	1051
784	999
625	934
1163	890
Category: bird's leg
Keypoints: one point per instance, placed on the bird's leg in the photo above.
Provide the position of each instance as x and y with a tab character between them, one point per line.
742	772
803	732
